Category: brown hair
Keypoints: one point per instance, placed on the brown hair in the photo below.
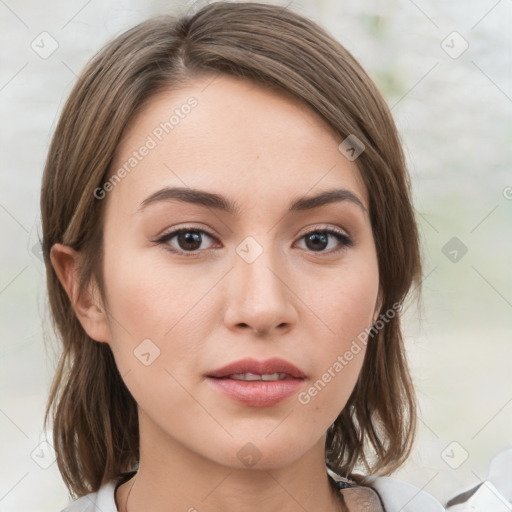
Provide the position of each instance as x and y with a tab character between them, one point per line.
95	424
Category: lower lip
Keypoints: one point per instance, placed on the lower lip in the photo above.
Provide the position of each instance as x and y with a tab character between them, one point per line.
257	393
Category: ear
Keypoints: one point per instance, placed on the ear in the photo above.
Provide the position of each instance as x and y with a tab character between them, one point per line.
86	302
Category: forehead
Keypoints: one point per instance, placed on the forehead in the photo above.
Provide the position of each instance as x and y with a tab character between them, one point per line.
230	135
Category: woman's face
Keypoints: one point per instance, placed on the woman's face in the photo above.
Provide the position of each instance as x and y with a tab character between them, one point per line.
259	271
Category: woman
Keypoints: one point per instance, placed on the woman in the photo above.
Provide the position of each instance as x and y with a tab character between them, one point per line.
229	238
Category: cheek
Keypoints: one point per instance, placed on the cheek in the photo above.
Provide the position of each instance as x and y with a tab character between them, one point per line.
137	307
156	330
345	304
152	300
146	295
346	300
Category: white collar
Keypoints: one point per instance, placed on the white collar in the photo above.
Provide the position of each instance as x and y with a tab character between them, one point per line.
399	496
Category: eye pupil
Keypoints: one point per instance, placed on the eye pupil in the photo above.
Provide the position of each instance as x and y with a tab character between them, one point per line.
189	240
319	241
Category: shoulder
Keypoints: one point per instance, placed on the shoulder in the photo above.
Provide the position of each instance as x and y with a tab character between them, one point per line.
494	493
395	495
103	500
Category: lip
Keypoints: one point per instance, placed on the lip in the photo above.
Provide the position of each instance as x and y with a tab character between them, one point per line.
269	366
257	393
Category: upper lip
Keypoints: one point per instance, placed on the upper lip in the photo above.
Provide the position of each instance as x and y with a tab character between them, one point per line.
269	366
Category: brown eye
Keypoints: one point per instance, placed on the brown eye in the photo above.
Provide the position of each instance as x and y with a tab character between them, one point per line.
318	241
187	240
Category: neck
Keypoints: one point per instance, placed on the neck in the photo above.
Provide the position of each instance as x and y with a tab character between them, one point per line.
172	477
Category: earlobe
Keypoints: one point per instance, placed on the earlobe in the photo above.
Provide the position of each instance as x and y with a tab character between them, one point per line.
86	301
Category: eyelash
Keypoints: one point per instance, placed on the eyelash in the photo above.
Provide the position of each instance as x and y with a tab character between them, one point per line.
341	237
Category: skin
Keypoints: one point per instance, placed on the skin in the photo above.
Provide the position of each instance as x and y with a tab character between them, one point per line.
261	149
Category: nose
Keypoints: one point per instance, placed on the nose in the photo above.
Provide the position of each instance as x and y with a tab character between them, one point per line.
259	296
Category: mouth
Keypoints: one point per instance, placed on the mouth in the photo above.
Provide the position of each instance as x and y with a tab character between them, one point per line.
258	383
248	377
248	369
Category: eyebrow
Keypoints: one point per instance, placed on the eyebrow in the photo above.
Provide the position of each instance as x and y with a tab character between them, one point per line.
219	202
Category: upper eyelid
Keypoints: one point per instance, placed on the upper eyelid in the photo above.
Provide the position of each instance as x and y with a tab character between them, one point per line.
324	227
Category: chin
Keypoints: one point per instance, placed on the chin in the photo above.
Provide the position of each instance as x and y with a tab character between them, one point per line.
260	451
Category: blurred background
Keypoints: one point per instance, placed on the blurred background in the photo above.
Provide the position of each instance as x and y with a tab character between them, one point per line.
445	71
